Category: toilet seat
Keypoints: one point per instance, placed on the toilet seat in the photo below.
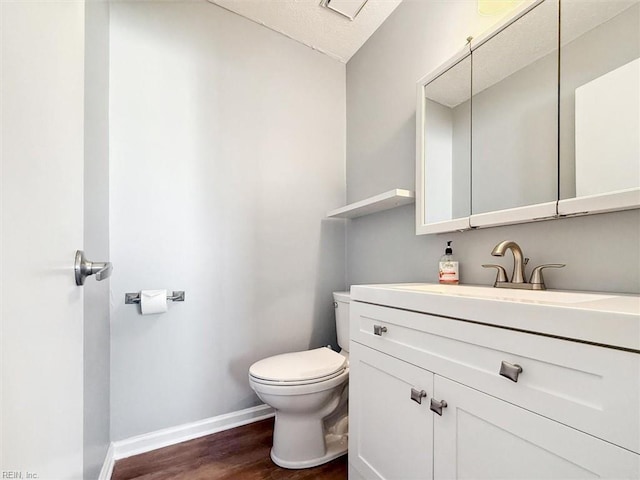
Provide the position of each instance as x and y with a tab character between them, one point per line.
299	368
283	383
293	389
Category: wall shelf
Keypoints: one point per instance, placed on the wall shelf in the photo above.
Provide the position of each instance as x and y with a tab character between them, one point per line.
391	199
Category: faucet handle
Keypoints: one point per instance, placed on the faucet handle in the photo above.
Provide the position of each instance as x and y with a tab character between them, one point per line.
536	276
502	273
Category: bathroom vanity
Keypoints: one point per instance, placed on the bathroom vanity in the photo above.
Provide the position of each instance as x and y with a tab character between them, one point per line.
478	382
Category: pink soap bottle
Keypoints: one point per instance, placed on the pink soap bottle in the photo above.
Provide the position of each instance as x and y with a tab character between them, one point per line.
448	267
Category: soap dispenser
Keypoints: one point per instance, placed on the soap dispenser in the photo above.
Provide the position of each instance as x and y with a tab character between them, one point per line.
448	267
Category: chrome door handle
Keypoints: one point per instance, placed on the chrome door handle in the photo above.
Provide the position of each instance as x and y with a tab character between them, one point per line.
83	268
105	270
379	330
437	406
510	371
418	395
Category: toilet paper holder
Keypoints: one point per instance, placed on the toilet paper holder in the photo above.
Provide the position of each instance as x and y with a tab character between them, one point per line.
177	296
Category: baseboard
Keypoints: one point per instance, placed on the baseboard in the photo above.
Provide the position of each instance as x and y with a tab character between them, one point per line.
107	466
188	431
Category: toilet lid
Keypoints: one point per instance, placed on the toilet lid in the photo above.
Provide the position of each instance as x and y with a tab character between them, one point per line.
299	366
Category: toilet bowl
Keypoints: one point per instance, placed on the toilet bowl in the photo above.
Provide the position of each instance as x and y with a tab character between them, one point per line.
309	392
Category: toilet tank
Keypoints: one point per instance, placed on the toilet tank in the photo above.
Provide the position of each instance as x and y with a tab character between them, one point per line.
341	304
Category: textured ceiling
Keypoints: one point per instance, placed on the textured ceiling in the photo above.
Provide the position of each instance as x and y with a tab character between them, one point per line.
315	26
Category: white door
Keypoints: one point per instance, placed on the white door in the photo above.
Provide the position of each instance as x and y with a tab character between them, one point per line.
481	437
41	178
391	435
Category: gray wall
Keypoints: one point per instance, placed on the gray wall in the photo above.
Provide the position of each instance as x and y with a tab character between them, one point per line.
227	150
96	236
602	252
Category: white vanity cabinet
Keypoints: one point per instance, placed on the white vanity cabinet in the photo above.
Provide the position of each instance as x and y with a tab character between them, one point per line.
572	413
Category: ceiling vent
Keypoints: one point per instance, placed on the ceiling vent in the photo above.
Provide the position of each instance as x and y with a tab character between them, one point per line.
347	8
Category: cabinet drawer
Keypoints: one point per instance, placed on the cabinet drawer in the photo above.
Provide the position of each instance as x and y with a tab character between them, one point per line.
593	389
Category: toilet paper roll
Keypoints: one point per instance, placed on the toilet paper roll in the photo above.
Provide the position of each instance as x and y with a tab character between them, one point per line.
153	301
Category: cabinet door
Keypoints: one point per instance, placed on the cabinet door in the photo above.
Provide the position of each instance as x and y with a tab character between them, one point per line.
482	437
391	435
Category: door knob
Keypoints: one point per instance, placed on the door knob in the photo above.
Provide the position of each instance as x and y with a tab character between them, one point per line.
83	268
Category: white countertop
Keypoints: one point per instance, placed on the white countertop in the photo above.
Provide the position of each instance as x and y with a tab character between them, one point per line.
609	319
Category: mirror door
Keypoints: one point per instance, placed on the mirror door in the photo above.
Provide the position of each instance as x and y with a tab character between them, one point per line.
443	195
599	105
514	121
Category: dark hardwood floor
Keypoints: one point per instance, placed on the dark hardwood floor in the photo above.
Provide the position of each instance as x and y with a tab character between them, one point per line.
240	453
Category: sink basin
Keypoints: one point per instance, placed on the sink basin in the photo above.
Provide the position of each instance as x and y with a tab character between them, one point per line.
543	296
602	318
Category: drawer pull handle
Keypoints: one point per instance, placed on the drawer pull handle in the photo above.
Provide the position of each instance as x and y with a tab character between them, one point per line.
437	406
379	330
418	395
510	371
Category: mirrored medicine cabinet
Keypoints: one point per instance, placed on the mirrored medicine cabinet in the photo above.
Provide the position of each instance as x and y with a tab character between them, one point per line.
537	119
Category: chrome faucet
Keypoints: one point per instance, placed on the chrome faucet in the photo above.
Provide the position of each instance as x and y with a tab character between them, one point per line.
519	262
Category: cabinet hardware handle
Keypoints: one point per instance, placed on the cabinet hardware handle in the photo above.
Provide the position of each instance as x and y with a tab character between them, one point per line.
379	330
437	406
510	371
418	395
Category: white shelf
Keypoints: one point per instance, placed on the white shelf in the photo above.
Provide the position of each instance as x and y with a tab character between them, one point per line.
391	199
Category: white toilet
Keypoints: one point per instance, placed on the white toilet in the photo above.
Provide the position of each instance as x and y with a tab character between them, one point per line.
309	392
